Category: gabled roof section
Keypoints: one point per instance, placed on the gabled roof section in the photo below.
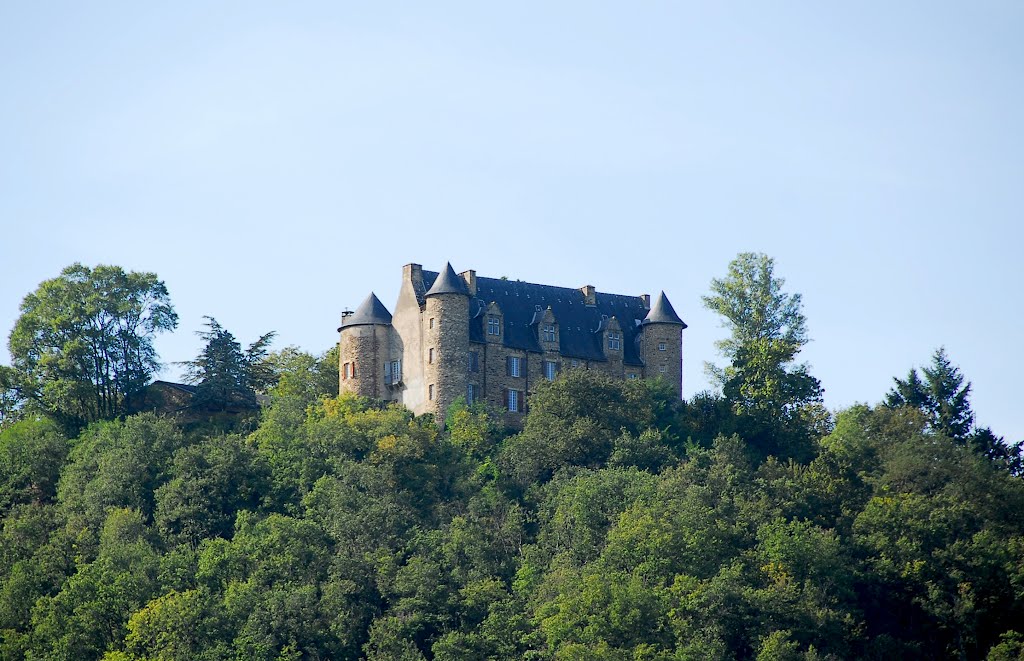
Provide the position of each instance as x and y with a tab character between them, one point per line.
371	311
662	312
449	282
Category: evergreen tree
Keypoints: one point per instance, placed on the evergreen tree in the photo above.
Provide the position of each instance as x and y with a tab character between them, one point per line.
944	399
225	375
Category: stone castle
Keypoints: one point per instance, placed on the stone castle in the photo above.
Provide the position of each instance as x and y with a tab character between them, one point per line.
492	340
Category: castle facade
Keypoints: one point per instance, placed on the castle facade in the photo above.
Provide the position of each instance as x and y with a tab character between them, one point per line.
493	340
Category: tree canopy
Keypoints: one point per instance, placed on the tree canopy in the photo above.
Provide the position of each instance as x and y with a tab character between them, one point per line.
225	375
618	523
772	394
83	345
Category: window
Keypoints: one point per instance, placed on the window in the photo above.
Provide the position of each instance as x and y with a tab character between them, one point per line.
550	370
430	392
575	363
392	372
513	401
470	394
614	341
474	361
431	322
632	377
663	369
662	346
347	371
493	327
549	333
430	356
515	366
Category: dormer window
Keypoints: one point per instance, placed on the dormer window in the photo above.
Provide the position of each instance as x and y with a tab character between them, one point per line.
615	341
493	326
548	332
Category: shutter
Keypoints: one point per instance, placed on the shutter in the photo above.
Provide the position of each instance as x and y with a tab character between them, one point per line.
504	396
353	369
387	373
522	401
508	365
523	365
558	367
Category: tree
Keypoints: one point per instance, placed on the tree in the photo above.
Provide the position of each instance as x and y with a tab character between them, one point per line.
941	396
83	345
226	376
944	399
767	330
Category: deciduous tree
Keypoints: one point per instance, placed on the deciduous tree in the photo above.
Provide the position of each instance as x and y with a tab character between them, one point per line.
83	345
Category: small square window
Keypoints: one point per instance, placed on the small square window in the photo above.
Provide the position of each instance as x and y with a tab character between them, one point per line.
430	392
431	322
663	369
574	363
662	346
632	377
430	355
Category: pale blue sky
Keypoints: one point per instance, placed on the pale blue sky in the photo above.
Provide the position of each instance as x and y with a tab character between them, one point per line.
274	162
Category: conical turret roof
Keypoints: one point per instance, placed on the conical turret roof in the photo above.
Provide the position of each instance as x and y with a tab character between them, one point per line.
370	311
663	313
448	282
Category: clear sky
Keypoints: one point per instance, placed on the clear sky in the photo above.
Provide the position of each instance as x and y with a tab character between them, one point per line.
273	162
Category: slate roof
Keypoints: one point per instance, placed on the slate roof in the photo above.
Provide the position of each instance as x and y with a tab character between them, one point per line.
370	311
448	283
662	312
520	303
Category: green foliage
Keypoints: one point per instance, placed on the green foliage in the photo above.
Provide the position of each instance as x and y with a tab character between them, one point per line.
32	453
944	401
777	400
83	345
226	377
619	523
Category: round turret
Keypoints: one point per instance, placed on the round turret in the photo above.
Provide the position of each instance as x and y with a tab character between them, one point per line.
446	341
363	349
663	344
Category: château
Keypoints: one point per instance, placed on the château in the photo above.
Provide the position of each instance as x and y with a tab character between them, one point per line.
493	340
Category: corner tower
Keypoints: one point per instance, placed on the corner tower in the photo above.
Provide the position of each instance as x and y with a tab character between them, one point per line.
663	344
363	349
446	341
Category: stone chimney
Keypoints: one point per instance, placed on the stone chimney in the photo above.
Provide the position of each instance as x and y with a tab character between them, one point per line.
413	273
589	294
470	278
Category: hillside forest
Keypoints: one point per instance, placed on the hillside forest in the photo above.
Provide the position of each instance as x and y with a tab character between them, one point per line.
268	518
